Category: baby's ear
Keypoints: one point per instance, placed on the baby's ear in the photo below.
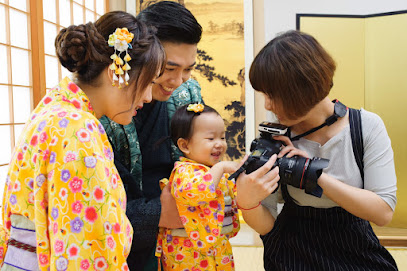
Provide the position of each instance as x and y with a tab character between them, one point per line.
183	145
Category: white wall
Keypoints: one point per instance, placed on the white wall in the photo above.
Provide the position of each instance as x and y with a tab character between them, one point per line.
281	15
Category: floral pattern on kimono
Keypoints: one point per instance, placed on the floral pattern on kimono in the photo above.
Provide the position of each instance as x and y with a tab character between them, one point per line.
63	179
201	207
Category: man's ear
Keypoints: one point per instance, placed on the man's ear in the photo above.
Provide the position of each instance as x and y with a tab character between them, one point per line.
183	145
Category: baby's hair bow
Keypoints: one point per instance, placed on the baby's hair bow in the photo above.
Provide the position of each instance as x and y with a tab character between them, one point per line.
197	108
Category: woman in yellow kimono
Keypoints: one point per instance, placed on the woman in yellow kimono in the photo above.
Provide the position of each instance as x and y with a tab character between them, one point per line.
64	202
204	195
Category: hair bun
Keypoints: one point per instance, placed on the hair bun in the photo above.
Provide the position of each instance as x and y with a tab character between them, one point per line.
76	45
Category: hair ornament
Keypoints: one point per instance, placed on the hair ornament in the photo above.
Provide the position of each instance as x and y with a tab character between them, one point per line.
121	41
197	108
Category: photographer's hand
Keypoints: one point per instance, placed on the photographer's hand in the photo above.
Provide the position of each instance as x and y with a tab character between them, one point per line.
252	189
289	148
298	170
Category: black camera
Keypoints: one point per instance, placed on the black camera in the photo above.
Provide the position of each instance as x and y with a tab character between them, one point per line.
297	171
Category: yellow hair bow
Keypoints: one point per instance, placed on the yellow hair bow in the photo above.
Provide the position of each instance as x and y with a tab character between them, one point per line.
195	108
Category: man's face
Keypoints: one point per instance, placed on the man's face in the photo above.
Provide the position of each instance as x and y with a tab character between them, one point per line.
181	59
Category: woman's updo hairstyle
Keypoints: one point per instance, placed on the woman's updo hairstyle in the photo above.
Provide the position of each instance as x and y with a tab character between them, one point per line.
84	50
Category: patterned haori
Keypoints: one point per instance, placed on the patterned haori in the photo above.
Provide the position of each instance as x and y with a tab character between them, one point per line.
63	181
209	215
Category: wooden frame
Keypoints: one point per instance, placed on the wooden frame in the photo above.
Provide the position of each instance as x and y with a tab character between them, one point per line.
36	49
38	56
391	237
249	56
41	92
10	84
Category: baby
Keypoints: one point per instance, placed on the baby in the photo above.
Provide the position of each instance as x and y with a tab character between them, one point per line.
204	195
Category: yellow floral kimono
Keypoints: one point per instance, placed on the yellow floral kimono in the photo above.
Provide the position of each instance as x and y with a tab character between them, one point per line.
63	199
209	215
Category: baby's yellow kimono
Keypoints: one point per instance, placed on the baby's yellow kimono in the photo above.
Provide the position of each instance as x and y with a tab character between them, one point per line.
209	215
64	202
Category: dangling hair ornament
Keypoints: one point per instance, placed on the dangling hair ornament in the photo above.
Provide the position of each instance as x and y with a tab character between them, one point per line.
121	41
197	108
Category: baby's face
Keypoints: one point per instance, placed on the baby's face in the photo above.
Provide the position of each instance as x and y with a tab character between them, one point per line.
207	144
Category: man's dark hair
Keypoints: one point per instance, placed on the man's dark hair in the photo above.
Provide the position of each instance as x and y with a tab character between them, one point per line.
173	21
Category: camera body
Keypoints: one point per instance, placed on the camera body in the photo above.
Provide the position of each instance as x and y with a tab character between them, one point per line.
297	171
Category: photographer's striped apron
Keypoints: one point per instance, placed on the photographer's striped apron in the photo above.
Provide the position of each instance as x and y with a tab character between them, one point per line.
308	238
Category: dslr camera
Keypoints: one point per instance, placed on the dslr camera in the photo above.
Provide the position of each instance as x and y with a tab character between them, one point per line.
297	171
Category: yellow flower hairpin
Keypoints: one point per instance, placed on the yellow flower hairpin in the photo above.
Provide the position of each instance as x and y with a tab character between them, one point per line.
197	108
121	41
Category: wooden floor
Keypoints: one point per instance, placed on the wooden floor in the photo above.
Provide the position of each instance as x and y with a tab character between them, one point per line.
248	250
251	258
391	237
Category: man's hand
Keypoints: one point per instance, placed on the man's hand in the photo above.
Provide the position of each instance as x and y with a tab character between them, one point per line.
169	213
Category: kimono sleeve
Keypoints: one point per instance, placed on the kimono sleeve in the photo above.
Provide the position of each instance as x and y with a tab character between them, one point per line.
3	243
193	185
81	221
200	205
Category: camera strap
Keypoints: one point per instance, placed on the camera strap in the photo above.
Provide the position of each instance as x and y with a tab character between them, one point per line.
355	123
339	111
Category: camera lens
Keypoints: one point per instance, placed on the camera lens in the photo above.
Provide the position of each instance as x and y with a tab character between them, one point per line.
296	171
292	169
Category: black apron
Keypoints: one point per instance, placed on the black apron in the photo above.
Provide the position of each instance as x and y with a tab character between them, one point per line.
308	238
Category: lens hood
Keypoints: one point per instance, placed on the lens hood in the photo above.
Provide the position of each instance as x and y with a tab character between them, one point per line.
313	172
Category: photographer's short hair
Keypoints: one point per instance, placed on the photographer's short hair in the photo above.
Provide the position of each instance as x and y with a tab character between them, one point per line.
294	70
173	21
182	122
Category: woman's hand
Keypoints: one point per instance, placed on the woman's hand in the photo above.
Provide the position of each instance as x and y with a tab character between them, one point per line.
253	188
289	148
256	186
169	213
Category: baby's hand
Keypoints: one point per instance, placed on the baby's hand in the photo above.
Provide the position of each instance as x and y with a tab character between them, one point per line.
229	166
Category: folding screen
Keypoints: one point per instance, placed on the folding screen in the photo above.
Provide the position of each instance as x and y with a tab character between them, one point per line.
371	55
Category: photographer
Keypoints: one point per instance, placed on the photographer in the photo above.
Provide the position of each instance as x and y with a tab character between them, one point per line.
331	232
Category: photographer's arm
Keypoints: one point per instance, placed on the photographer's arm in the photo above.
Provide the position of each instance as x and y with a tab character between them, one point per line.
253	188
260	219
376	201
359	202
